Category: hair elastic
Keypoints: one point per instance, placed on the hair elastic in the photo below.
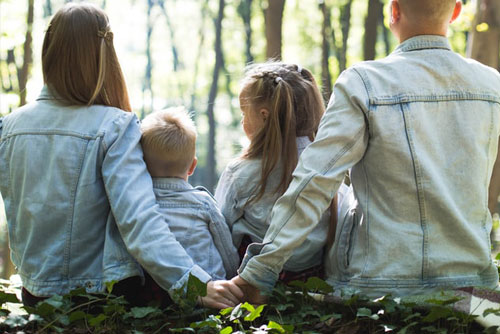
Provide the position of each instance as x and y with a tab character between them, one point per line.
105	33
299	69
278	79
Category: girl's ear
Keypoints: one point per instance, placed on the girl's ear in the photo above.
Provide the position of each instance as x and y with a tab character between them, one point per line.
264	113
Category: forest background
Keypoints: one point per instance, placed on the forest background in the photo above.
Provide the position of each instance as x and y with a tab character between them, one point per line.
193	53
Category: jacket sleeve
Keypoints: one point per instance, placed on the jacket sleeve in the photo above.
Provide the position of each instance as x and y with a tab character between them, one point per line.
1	126
340	143
223	241
130	192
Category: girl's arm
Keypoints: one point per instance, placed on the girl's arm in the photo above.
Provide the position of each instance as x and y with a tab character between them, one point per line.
146	235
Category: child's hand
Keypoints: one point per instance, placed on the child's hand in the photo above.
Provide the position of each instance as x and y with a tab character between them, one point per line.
221	294
252	294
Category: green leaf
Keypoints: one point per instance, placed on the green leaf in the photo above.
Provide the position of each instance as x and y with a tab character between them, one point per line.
14	321
491	311
248	307
317	284
6	297
110	285
77	315
405	329
96	321
276	326
181	330
497	257
255	313
141	312
195	288
334	316
78	292
226	311
437	313
43	309
56	301
227	330
491	330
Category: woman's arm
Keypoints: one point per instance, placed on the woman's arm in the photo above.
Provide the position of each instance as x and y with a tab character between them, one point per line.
146	235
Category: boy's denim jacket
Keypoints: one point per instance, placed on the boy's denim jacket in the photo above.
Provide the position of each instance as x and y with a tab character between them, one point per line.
79	201
197	223
236	187
420	131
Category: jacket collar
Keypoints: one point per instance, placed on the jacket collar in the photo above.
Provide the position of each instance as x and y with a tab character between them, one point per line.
171	183
48	94
423	42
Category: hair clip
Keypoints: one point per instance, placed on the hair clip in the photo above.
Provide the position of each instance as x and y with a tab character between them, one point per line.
299	69
278	79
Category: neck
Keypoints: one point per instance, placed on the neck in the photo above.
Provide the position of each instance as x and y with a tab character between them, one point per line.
405	33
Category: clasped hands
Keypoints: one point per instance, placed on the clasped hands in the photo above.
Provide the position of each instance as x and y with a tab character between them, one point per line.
224	294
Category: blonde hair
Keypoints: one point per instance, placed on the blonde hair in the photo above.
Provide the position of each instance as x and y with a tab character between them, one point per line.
169	140
295	106
79	61
428	12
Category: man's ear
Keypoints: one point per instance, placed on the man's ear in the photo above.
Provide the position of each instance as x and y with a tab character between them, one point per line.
395	11
193	166
264	113
456	11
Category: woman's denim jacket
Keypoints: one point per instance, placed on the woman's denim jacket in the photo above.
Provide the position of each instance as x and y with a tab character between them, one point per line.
79	201
420	131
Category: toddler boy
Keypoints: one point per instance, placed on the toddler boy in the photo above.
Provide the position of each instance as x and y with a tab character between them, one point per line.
169	143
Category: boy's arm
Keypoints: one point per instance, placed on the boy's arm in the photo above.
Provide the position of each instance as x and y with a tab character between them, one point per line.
341	142
223	241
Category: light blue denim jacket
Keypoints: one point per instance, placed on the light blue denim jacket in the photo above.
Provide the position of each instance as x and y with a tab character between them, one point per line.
197	223
79	201
237	185
420	131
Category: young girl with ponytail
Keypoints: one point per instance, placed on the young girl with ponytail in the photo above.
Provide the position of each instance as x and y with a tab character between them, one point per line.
281	107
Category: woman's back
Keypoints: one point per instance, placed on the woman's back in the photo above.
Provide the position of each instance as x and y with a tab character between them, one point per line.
55	193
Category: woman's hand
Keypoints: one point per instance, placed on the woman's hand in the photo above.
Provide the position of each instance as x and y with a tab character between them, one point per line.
252	294
221	294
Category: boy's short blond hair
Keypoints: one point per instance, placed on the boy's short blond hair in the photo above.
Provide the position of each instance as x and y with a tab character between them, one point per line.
169	141
428	12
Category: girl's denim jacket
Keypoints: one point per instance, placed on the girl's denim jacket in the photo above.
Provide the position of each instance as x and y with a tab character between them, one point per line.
236	187
420	131
79	201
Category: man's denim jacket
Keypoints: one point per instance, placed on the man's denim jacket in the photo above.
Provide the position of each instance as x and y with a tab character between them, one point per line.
236	187
79	201
198	224
420	131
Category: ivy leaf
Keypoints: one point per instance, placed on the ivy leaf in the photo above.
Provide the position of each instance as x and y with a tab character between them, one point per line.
96	321
6	297
142	312
317	284
366	312
14	321
275	326
227	330
437	313
110	285
491	311
77	315
226	311
405	329
195	288
255	313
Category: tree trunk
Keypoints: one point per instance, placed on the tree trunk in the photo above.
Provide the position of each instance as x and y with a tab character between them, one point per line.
274	23
345	23
211	161
175	53
371	24
47	9
147	86
326	31
24	72
484	46
245	11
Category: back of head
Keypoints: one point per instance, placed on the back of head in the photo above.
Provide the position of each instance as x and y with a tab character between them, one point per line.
79	60
169	142
295	106
428	12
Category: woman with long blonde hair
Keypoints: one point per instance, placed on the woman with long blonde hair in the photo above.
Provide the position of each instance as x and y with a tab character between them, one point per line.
80	206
